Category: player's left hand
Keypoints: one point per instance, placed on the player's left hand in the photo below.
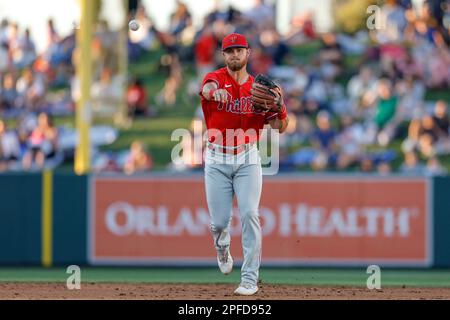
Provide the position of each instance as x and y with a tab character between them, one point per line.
266	95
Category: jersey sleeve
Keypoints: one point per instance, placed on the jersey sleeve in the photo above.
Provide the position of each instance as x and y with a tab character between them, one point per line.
212	76
269	116
283	114
272	115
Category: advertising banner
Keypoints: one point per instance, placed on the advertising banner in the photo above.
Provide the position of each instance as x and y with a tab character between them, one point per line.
316	221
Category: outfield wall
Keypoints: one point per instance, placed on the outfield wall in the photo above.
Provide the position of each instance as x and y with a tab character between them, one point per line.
329	220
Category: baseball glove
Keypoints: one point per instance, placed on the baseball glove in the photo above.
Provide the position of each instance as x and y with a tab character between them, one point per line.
266	94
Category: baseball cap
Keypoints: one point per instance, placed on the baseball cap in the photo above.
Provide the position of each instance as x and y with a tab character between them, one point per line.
234	40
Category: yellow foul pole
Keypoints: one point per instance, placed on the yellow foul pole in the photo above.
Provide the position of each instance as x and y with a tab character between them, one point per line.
84	76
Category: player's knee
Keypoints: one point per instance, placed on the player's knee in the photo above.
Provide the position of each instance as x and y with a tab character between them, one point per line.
249	215
219	226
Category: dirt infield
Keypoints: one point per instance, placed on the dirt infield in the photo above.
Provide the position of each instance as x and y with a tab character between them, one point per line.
121	291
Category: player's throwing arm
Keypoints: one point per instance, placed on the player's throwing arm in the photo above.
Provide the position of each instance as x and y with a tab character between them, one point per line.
211	92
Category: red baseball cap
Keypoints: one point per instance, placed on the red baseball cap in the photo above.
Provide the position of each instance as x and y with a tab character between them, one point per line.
234	40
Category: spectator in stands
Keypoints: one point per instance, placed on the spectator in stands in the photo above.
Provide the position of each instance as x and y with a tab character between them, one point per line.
9	147
261	61
42	143
411	93
434	167
359	87
350	142
330	56
337	102
386	108
192	147
441	118
168	94
409	67
8	93
260	14
106	92
384	168
301	117
442	122
411	164
25	52
301	30
13	42
4	26
138	160
394	20
180	19
24	83
323	141
107	42
438	68
35	93
137	99
52	37
423	135
26	123
205	48
366	164
4	57
273	46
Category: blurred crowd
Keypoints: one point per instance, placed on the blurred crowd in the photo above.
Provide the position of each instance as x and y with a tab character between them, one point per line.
357	97
354	124
35	86
357	102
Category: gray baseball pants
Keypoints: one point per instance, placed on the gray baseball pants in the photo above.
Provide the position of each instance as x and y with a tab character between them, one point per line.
239	175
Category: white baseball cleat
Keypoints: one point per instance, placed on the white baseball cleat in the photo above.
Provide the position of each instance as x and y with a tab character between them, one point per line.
225	262
246	289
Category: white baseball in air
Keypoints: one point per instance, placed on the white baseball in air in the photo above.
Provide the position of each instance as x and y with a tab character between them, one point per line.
134	25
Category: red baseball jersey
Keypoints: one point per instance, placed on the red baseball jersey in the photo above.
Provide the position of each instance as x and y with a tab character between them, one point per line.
237	113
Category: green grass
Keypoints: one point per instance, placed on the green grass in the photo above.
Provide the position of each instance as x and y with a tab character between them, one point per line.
155	133
306	52
433	95
295	276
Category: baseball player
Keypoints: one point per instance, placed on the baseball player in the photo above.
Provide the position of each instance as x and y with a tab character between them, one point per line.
236	108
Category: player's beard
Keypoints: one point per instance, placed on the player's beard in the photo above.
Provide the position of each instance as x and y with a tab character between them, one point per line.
236	65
